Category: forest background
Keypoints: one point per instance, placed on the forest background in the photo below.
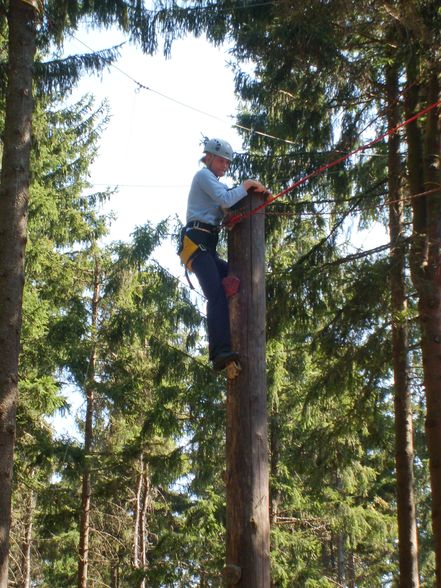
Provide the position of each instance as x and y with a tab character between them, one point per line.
352	338
148	165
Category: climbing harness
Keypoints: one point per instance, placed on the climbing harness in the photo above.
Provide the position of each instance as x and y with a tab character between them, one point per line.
189	249
200	226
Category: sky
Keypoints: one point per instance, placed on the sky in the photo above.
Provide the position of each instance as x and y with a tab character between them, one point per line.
152	146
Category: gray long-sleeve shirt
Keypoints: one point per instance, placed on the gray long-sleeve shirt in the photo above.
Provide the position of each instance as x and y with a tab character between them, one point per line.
208	196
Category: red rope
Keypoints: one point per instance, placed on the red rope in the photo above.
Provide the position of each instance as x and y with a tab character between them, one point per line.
238	217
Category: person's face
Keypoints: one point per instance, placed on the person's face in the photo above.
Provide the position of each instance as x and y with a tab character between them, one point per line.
218	165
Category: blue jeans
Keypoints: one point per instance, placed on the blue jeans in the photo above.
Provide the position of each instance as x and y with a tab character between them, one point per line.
210	270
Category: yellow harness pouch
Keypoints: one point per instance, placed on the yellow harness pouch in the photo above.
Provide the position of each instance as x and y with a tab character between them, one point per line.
187	251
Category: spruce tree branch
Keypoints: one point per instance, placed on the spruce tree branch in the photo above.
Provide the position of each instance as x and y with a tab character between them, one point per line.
182	352
338	224
62	74
355	256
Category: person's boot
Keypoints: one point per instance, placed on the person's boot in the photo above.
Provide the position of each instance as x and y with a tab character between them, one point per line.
221	360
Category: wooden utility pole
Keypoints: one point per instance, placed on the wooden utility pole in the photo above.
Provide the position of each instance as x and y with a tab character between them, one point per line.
247	483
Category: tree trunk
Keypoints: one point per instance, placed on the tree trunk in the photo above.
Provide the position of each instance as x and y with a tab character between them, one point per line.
114	575
83	550
14	197
351	569
341	558
143	525
274	464
426	276
430	314
247	445
140	518
137	515
404	454
27	541
338	539
274	468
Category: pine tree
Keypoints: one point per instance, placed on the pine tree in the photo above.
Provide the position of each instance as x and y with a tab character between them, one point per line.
421	25
404	443
58	18
141	405
60	219
329	343
13	214
324	58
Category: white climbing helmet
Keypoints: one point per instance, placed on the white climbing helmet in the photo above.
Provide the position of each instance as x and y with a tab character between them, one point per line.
218	147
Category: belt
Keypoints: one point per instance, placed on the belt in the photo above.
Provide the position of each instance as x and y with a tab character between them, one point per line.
200	226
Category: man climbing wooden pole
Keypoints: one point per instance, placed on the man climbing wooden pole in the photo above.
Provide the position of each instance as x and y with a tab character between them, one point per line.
247	451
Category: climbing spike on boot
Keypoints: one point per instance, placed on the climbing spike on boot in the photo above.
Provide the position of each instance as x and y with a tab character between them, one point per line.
231	285
233	370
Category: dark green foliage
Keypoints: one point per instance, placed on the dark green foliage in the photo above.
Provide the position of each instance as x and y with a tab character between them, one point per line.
318	88
131	16
316	64
64	74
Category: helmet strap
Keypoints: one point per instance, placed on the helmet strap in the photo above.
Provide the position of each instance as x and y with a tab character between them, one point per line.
209	157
